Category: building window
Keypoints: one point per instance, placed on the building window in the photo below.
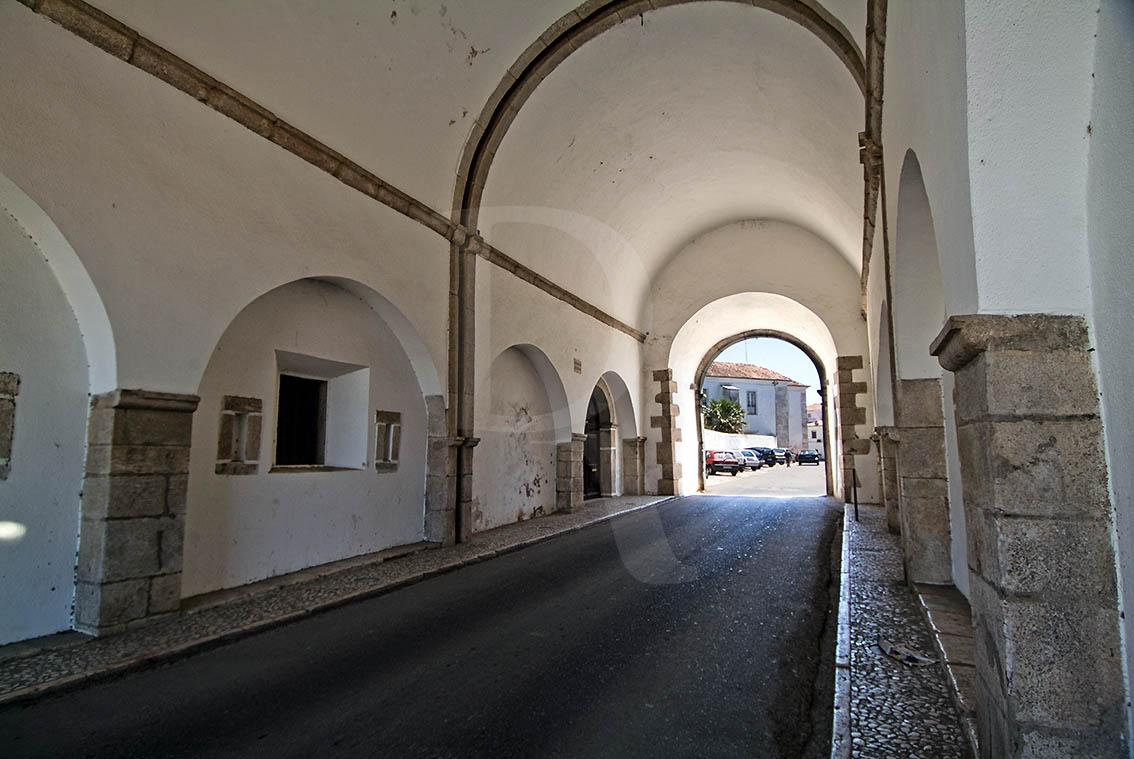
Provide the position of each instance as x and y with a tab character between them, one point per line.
752	403
238	440
321	414
387	440
301	421
813	437
731	393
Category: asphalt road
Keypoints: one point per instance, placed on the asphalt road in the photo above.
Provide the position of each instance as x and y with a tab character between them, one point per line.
777	481
695	629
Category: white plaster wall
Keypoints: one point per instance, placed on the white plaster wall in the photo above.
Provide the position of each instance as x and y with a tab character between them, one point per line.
515	459
242	528
353	73
919	303
40	341
182	217
511	312
926	110
1029	68
1111	237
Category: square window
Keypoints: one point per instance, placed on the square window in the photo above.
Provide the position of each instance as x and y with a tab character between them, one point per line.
387	440
301	421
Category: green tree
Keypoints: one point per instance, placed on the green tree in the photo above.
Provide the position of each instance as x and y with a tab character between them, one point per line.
723	415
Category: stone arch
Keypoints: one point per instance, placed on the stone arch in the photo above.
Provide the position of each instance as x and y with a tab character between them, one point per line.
599	450
564	37
930	502
53	321
720	345
523	419
251	515
94	323
714	327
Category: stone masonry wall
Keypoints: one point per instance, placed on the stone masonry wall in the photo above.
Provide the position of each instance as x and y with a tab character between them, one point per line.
569	474
1041	554
923	481
634	466
133	508
851	414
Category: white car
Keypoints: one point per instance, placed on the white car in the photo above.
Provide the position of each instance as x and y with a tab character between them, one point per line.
750	459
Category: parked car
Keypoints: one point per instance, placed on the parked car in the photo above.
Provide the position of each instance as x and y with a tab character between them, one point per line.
766	454
808	457
721	461
781	455
752	460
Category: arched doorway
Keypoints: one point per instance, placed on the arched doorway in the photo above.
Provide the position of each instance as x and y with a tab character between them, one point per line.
599	448
715	350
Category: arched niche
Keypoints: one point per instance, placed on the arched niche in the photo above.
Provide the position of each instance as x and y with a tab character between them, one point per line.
522	414
254	513
53	329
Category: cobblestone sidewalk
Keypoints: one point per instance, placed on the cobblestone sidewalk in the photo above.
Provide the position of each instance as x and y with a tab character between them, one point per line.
896	710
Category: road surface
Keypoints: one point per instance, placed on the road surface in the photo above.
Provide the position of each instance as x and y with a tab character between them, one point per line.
700	628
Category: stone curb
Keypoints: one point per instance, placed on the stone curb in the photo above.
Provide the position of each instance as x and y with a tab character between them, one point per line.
180	651
840	718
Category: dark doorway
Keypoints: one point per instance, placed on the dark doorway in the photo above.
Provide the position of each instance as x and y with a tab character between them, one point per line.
598	418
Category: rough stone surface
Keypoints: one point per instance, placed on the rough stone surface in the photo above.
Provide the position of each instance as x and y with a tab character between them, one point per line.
919	403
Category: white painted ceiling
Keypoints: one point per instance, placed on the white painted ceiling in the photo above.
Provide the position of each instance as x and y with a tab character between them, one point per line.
668	126
664	127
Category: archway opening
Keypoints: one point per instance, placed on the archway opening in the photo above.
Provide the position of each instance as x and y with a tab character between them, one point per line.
761	399
598	449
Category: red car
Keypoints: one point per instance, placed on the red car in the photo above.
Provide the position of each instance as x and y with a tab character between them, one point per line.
721	461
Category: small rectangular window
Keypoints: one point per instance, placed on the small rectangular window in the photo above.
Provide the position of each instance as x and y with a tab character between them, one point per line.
238	440
301	421
731	393
9	389
387	440
752	403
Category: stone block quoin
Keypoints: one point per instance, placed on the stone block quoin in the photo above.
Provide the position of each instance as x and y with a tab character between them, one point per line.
133	508
666	422
569	474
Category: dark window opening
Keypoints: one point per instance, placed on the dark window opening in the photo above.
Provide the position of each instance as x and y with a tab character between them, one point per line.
300	421
752	402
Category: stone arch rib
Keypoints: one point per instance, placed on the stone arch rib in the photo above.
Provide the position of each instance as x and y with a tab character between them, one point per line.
566	36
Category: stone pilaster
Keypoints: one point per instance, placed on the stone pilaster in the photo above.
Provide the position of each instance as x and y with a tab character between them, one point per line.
634	466
440	469
923	481
889	442
608	458
1041	557
666	422
783	414
803	421
851	414
133	508
569	474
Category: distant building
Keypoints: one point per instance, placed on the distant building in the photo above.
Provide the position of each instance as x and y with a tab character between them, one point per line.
815	426
773	404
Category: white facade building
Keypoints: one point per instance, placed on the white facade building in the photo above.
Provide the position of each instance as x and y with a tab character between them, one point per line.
773	404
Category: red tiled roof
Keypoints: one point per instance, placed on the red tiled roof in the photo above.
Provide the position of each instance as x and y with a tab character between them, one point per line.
747	371
814	406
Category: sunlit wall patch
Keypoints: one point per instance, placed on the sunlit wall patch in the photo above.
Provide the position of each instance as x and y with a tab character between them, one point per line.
10	532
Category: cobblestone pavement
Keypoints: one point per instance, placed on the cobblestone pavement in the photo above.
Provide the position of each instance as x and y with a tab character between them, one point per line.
31	668
896	710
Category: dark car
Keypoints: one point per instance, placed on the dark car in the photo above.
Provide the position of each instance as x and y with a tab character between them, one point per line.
721	461
808	457
766	454
781	455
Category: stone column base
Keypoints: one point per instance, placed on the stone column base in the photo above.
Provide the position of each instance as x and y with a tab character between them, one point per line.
634	466
888	443
1041	557
569	474
133	509
666	422
923	481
